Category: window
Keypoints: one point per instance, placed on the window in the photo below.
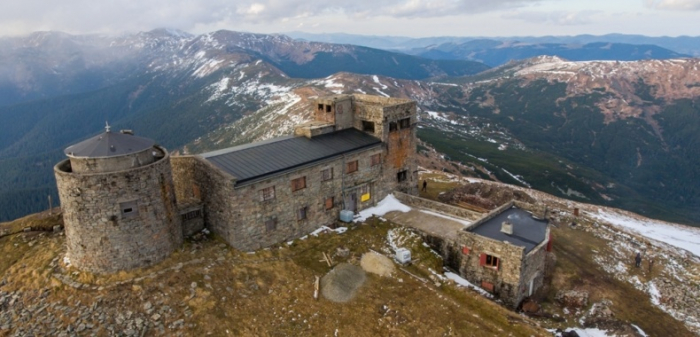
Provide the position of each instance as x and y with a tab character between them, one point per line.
271	224
329	203
405	123
393	126
491	261
368	126
196	193
364	192
298	184
320	107
328	108
466	250
129	209
402	175
192	215
351	167
301	213
376	159
327	174
267	193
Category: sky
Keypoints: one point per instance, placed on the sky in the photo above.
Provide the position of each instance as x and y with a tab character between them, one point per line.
413	18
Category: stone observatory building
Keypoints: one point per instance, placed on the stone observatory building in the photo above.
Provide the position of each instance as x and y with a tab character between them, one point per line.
118	202
126	205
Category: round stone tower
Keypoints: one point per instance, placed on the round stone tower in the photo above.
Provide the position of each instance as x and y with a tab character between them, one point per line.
118	202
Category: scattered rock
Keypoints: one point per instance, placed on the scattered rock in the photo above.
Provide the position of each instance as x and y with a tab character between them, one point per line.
572	298
342	252
377	264
530	307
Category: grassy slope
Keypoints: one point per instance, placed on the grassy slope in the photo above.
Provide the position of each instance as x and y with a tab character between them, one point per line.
269	293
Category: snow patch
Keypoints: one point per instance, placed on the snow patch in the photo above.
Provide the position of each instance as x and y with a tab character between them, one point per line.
376	80
683	237
388	204
464	283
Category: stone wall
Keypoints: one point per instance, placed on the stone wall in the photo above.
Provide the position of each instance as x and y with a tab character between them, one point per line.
120	163
533	270
506	278
434	205
336	110
100	236
400	142
239	214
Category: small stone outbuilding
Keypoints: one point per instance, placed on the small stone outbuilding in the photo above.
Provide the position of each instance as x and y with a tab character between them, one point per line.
504	252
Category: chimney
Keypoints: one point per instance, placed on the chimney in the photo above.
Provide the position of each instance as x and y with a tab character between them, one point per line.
127	132
507	228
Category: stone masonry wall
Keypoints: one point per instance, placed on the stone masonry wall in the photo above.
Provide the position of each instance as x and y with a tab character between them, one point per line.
197	181
340	113
111	164
100	237
533	269
400	143
506	279
239	215
434	205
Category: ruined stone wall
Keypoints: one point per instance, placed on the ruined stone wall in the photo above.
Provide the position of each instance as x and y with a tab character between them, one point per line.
239	215
506	279
100	236
336	110
371	112
111	164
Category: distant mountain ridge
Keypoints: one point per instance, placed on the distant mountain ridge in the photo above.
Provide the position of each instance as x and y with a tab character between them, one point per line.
495	53
47	64
686	45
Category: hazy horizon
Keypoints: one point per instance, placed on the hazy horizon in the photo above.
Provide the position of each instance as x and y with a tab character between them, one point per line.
414	18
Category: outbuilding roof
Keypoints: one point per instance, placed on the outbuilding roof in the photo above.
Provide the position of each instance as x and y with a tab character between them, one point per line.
528	231
109	144
255	161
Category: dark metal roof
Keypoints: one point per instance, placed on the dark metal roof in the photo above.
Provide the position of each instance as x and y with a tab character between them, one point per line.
109	144
528	232
254	161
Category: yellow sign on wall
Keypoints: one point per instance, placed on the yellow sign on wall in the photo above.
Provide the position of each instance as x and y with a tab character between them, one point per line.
365	197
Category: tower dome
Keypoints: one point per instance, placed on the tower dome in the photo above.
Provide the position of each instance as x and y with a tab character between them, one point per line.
118	200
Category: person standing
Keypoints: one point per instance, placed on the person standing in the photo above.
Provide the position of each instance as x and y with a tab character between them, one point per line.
638	260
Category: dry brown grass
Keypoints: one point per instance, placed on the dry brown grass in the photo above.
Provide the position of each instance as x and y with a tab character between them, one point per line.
270	293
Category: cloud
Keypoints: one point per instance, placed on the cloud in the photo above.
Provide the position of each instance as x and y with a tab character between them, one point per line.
674	5
558	18
81	16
